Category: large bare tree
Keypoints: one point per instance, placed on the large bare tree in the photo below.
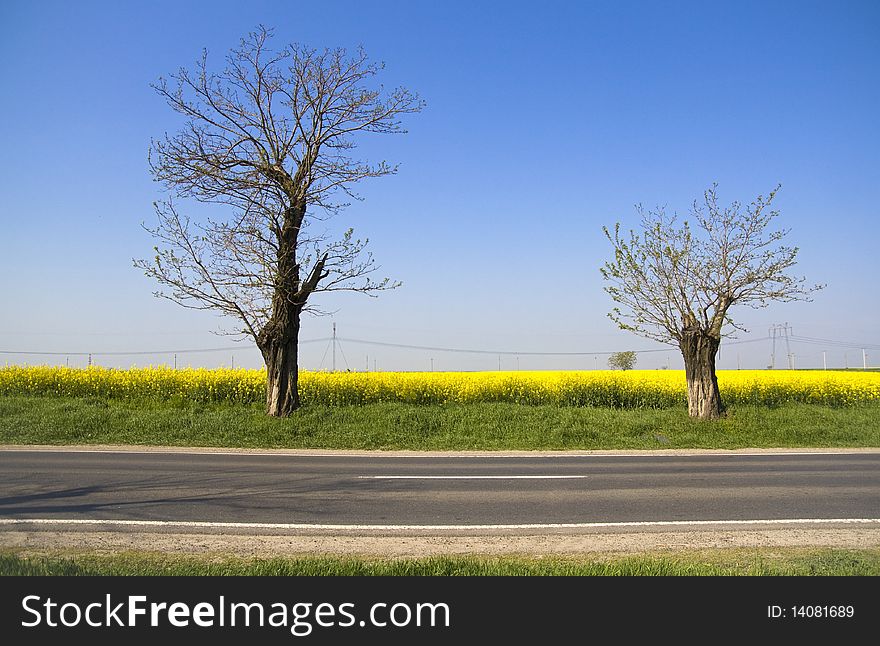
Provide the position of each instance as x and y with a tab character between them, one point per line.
677	286
270	137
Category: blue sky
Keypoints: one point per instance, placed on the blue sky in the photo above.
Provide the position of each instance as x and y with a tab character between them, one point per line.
544	122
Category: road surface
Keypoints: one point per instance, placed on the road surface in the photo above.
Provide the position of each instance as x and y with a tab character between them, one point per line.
496	491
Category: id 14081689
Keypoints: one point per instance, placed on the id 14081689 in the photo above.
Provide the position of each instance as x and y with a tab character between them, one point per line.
811	612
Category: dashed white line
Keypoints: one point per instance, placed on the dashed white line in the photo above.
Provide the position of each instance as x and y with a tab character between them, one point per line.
473	477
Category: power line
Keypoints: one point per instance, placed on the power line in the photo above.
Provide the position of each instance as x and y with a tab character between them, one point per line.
515	352
324	356
342	352
139	352
471	350
407	346
830	342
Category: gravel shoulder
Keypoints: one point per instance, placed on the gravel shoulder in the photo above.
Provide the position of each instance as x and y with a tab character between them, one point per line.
422	546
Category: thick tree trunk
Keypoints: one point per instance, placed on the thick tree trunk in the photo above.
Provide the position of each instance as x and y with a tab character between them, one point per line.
698	349
279	346
279	339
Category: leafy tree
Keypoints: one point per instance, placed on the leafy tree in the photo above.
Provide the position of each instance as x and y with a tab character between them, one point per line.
677	285
271	137
622	360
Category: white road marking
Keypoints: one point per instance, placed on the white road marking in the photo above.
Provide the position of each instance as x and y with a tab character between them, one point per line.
478	477
527	526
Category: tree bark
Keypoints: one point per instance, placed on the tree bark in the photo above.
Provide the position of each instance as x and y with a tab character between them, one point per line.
699	349
279	339
279	345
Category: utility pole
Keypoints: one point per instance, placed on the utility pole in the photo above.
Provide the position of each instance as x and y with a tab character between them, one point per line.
864	359
367	369
233	362
175	361
773	347
788	348
785	329
432	364
90	360
334	347
824	363
499	363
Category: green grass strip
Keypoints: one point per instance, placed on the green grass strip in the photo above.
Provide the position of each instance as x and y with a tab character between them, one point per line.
733	562
396	426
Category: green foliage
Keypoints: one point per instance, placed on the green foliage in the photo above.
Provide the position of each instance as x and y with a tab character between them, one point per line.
622	360
668	276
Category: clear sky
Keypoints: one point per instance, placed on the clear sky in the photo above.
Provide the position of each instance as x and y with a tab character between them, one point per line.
544	122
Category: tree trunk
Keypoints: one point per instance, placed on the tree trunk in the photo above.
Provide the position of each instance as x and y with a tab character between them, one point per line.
279	346
698	349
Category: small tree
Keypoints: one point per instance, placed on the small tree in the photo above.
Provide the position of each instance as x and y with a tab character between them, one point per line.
622	360
270	136
677	286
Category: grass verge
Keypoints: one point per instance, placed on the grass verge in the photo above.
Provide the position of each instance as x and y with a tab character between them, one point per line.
389	426
731	562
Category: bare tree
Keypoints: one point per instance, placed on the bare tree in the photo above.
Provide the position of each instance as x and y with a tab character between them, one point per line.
270	137
622	360
677	286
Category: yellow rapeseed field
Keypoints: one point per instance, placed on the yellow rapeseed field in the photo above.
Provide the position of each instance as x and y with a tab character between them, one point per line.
617	389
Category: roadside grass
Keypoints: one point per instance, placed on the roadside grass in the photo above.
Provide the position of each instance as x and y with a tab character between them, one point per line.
28	419
730	562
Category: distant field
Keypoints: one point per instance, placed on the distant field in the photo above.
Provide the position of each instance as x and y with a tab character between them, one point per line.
437	411
634	389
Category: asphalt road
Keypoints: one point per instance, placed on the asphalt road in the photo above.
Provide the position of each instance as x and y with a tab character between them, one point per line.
377	490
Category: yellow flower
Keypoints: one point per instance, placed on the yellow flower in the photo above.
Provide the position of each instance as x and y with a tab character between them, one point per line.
630	389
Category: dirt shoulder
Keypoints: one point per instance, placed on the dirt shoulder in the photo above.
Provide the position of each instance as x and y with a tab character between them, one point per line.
422	546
